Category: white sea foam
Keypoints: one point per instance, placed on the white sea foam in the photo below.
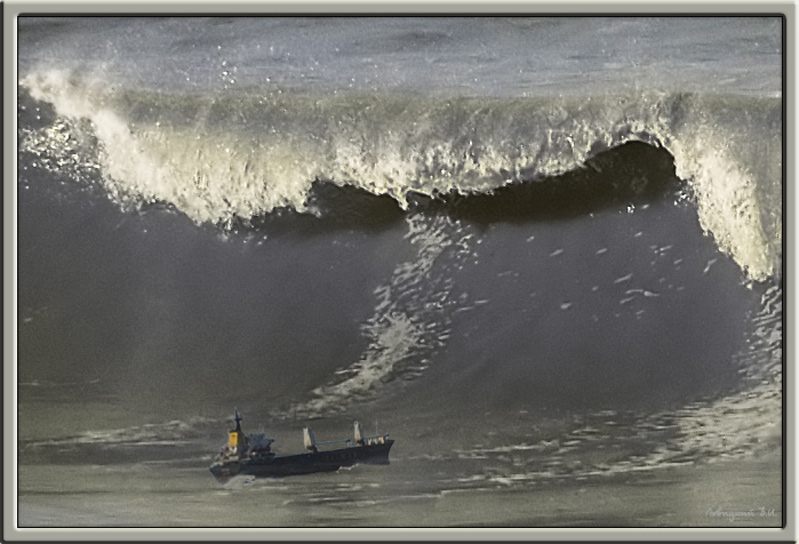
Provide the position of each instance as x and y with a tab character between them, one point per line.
217	159
405	328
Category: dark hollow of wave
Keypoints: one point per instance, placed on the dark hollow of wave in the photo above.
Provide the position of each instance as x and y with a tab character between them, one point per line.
632	173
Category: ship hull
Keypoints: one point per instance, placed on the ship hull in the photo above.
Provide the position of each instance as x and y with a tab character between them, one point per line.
304	463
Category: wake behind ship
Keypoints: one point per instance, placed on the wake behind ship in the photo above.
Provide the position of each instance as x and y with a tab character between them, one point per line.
252	455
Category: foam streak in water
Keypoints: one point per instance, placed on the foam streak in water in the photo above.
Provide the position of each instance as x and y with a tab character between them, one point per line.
411	320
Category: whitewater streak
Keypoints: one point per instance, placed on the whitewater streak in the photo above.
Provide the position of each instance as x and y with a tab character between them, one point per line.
412	319
239	156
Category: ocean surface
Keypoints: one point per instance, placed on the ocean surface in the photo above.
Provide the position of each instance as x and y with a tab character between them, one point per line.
544	254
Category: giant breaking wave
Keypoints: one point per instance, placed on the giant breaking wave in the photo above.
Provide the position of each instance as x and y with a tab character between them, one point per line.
237	158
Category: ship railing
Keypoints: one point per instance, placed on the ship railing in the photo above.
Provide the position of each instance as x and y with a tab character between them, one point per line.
329	442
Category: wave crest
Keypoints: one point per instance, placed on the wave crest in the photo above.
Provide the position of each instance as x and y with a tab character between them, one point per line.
238	156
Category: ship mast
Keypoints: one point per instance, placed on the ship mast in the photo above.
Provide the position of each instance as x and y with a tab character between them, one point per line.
237	419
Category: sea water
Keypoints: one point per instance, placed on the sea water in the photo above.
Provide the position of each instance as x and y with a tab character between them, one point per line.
543	253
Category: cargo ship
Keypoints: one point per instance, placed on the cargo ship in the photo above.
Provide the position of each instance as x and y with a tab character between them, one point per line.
252	454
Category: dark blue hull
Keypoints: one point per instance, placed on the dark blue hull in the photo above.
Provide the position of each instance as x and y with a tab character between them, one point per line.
304	463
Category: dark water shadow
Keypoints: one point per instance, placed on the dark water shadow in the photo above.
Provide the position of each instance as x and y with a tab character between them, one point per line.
631	174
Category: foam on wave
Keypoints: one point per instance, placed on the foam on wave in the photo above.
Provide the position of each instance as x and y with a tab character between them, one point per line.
239	157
